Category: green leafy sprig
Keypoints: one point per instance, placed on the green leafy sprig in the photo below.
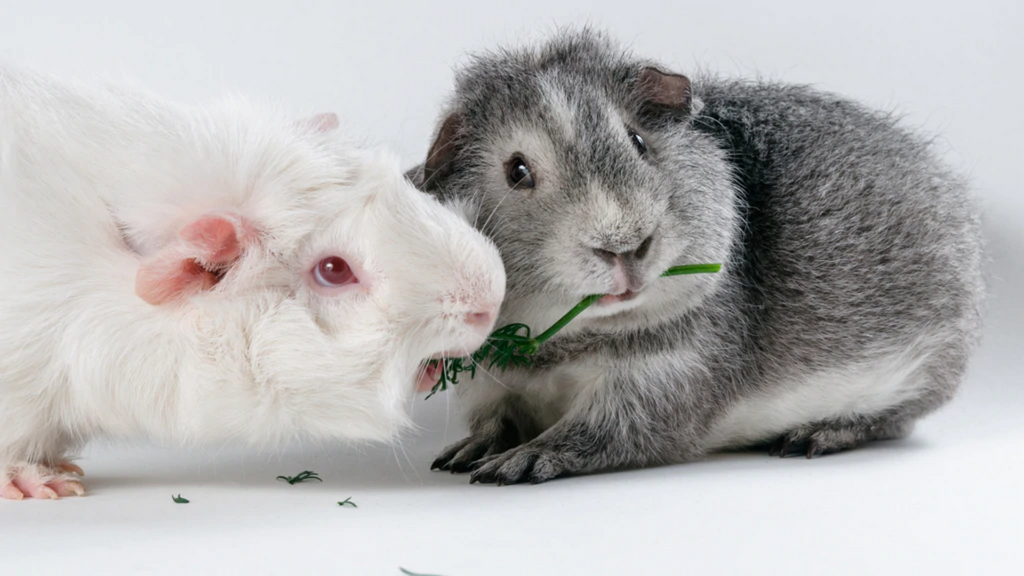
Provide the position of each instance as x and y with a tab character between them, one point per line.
178	499
347	502
513	344
301	477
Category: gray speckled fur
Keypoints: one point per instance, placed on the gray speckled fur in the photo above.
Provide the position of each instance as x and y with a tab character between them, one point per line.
847	306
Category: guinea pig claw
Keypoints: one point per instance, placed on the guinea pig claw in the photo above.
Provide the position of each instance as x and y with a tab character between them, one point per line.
41	481
11	492
462	466
70	488
72	467
814	449
784	451
776	447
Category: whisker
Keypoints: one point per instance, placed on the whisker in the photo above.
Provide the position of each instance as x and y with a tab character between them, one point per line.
405	454
495	210
496	379
447	402
398	442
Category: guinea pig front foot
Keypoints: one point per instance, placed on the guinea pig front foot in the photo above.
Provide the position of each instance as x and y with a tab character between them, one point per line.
532	462
41	481
470	452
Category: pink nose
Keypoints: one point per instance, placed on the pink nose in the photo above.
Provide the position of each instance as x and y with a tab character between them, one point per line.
482	320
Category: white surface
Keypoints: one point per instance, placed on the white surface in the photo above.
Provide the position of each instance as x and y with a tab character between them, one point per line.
949	500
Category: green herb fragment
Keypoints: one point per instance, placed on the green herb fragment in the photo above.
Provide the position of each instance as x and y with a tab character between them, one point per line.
178	499
347	502
513	344
301	477
408	573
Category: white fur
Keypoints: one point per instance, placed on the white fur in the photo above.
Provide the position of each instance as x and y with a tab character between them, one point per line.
94	179
827	395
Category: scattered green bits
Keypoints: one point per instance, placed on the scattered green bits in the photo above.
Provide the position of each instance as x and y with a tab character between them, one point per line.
512	345
347	502
178	499
301	477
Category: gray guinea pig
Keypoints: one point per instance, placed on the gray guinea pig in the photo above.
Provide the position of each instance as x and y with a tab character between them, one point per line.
846	309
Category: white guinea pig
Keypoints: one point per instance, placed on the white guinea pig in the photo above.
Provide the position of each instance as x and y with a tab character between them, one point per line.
212	273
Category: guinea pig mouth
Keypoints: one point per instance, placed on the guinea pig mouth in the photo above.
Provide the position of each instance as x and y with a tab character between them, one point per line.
430	369
429	374
610	299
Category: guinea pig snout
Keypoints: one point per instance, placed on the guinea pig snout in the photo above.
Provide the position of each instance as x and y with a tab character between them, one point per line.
477	313
628	262
625	252
482	320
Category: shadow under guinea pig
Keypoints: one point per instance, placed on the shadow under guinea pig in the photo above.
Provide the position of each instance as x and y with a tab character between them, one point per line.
403	468
402	465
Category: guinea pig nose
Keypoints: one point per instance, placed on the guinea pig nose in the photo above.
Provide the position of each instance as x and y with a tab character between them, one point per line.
636	254
641	251
482	320
606	255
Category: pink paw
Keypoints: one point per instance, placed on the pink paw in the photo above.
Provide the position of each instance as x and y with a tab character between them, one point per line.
41	481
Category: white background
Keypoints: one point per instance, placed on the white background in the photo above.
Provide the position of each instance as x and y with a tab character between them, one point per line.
948	500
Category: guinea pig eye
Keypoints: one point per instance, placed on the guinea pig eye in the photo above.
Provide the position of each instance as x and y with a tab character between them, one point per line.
333	271
638	142
519	175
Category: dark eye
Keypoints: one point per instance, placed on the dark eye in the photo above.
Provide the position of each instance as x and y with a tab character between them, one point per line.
333	271
638	141
519	174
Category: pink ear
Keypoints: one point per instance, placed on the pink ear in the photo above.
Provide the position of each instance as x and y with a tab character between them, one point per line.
323	123
215	239
666	89
168	277
195	263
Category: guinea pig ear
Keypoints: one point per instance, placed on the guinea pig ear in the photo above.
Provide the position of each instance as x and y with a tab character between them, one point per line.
442	152
321	123
203	252
665	90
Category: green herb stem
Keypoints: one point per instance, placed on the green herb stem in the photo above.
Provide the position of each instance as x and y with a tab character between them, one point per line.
561	323
507	347
692	269
586	302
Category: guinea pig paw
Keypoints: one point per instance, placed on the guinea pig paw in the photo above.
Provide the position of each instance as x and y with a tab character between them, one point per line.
39	481
817	440
527	463
469	453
